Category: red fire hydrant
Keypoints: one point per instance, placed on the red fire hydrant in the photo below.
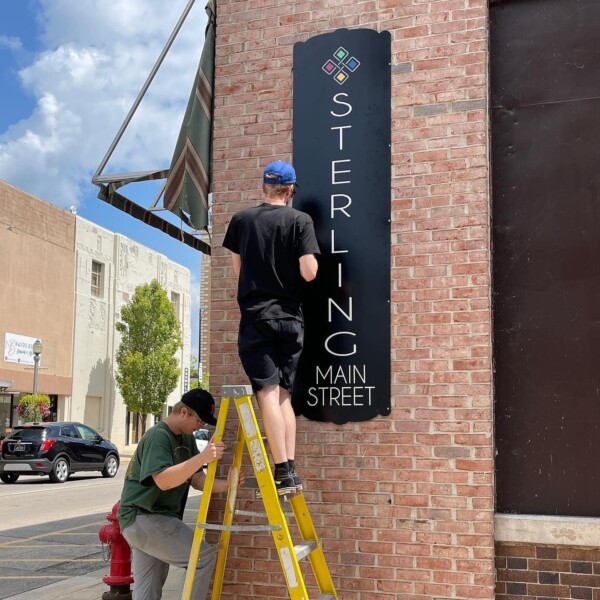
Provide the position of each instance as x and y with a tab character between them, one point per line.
120	577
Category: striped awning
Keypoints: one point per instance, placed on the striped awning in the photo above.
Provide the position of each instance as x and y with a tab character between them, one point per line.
188	183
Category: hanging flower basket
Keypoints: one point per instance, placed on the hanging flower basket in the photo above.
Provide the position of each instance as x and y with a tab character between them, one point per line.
34	408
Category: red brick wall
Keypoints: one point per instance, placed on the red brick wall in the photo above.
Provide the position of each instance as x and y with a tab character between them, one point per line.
205	315
404	504
530	571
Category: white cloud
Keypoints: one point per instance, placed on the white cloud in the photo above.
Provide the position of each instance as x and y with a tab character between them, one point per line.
93	60
12	43
96	56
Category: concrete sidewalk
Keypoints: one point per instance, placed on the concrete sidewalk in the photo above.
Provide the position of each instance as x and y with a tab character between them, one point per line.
91	587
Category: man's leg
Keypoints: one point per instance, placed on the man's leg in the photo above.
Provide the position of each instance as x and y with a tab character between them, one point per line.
273	421
168	540
289	419
257	345
292	339
149	575
275	425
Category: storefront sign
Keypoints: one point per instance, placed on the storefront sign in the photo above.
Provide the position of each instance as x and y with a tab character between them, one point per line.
18	349
342	156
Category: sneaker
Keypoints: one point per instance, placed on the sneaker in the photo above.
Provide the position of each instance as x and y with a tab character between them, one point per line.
297	481
284	483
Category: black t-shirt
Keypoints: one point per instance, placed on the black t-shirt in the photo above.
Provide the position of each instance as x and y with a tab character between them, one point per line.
270	240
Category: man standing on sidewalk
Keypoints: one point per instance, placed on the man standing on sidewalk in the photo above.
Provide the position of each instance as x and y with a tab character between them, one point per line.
274	248
164	465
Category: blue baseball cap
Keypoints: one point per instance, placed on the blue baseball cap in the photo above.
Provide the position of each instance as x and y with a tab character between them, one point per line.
279	172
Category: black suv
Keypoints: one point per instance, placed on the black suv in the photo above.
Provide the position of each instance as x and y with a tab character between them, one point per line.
57	450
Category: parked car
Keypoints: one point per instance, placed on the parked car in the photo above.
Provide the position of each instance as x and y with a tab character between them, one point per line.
202	438
57	450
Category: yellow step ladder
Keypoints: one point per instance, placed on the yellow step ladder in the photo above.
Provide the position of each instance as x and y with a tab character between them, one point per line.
289	554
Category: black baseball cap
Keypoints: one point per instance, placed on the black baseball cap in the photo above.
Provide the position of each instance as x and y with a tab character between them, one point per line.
202	403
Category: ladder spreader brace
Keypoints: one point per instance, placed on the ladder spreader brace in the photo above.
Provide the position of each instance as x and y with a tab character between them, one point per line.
249	437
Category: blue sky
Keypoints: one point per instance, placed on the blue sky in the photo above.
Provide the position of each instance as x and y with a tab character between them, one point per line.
69	72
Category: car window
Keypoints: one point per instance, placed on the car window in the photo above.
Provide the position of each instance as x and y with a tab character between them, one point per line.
201	434
86	433
28	433
69	431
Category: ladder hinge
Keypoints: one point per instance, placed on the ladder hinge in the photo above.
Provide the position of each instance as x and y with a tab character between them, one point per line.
236	391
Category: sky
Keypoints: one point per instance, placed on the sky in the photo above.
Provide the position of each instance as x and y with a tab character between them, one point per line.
70	71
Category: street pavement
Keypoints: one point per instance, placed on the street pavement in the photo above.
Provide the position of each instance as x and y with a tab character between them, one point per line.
76	570
75	563
62	559
91	587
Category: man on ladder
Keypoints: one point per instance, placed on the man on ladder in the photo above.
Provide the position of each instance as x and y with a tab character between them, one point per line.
274	248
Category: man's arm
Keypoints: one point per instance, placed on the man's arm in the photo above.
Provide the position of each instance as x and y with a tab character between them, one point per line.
174	476
237	263
219	485
198	480
308	267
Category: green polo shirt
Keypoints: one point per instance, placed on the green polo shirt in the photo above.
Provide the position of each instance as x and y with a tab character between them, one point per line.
158	449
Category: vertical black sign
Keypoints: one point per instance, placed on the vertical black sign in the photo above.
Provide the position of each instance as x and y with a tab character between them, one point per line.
342	155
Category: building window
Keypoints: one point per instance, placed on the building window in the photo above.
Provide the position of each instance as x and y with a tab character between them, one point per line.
175	301
136	427
97	279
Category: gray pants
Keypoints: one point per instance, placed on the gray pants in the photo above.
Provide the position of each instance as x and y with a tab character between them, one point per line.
158	541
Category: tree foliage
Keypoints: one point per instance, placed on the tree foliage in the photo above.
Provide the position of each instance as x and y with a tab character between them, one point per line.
203	384
150	335
193	366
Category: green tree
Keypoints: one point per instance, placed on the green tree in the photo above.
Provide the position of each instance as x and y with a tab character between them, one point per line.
204	384
150	336
193	366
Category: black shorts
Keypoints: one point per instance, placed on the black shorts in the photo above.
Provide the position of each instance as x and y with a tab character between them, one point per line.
270	350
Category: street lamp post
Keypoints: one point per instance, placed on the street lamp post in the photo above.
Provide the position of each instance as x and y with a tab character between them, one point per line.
37	350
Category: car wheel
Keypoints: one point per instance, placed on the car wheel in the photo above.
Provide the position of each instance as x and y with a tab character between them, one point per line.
111	467
60	470
8	477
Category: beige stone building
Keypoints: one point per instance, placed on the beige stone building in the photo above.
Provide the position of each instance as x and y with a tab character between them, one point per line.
108	269
37	266
64	281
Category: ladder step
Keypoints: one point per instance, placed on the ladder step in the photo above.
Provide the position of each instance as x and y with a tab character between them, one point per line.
249	513
214	549
258	514
305	549
326	597
283	500
217	527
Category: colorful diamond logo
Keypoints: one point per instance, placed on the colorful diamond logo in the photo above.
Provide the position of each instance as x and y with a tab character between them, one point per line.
341	77
329	67
341	54
353	64
342	65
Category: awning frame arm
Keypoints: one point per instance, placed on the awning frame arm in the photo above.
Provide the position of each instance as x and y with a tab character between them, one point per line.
142	92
